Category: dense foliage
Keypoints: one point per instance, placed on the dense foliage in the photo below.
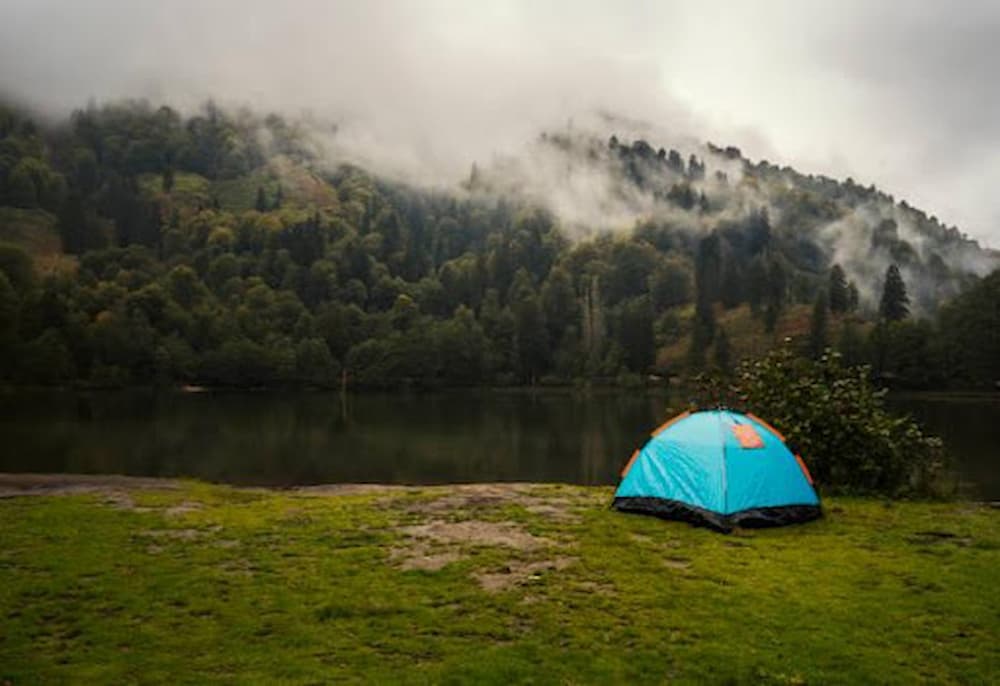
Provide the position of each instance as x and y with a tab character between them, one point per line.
958	348
834	417
219	248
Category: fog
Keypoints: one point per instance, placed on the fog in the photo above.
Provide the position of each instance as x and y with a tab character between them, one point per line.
422	90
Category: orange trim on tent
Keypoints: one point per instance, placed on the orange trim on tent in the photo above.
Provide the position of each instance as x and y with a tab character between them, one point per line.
805	470
747	436
663	427
772	429
628	465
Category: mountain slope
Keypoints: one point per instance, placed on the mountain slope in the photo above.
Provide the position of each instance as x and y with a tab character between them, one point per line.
228	248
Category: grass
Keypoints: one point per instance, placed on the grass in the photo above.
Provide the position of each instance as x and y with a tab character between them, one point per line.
486	584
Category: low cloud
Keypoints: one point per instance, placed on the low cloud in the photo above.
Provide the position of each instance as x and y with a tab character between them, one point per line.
422	90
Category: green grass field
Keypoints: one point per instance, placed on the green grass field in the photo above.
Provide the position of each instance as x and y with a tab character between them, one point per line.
191	583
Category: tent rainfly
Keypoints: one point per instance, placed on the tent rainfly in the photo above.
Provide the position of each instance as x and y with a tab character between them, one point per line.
719	469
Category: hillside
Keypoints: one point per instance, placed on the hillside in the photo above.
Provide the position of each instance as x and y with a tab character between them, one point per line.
227	248
811	221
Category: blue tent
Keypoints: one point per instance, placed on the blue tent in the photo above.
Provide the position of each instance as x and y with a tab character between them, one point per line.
718	469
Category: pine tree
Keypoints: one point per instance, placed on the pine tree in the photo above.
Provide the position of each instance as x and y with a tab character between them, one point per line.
895	302
721	352
261	204
774	296
279	197
756	285
702	335
818	330
772	312
73	224
758	231
732	290
168	179
839	297
851	344
853	298
708	269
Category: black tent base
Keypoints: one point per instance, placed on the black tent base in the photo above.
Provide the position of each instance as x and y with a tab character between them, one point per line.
757	517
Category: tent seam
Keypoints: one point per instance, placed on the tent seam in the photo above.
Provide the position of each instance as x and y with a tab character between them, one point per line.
725	473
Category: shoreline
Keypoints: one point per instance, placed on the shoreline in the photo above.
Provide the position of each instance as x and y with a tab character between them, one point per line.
14	484
17	484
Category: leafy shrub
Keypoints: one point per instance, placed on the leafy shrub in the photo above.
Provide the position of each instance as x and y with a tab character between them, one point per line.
834	417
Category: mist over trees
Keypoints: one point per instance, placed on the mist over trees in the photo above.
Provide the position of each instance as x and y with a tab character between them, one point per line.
219	248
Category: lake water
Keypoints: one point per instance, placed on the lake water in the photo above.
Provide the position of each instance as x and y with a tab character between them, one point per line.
284	439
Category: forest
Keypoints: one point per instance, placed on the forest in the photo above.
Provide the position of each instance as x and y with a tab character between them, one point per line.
143	246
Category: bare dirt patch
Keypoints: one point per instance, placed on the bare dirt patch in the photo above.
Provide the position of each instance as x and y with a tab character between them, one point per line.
115	486
516	573
595	587
431	546
473	532
925	538
477	497
239	567
463	497
678	563
183	508
122	501
174	534
425	560
353	489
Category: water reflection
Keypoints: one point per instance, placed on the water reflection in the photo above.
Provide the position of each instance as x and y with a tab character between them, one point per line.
283	439
970	427
302	438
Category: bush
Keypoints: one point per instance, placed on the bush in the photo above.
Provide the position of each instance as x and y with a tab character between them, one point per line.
834	417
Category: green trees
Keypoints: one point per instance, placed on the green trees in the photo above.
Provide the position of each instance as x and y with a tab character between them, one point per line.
314	365
969	339
853	297
636	333
214	275
838	292
708	270
818	327
530	337
9	307
462	346
670	283
708	267
78	229
895	304
32	183
836	420
775	289
721	355
559	303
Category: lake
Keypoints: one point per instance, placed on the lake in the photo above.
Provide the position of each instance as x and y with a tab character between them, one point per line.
297	438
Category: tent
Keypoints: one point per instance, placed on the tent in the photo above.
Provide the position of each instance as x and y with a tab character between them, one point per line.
718	469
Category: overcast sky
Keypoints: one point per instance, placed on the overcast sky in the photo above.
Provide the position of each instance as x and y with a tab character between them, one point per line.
894	93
